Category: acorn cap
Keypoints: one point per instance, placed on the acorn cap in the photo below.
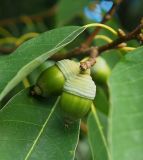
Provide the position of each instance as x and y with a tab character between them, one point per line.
81	85
68	67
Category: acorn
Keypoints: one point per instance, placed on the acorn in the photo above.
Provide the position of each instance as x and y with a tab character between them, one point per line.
78	94
36	73
100	72
51	80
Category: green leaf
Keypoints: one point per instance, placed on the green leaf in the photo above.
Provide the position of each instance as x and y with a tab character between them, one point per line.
112	57
97	138
126	115
102	108
101	101
12	93
103	118
33	129
31	54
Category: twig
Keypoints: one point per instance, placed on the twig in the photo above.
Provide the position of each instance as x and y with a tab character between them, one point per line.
52	11
132	35
83	127
84	46
6	50
135	34
94	51
73	53
107	17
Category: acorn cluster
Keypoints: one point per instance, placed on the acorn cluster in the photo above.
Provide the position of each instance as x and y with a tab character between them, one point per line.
77	89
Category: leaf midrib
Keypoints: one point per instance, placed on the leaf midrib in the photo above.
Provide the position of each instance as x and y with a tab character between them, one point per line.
41	131
101	132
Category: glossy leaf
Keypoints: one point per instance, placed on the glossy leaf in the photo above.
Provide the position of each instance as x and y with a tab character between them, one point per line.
33	129
31	54
126	115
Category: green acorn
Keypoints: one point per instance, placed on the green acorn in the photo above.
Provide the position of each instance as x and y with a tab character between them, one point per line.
76	99
100	72
36	73
51	81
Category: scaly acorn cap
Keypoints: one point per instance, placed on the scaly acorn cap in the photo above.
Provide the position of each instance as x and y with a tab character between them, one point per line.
81	85
68	67
76	99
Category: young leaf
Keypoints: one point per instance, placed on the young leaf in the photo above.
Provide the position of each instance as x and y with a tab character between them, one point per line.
97	138
31	54
126	115
34	129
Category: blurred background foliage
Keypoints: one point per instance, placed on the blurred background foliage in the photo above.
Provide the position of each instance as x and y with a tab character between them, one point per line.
21	20
18	17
